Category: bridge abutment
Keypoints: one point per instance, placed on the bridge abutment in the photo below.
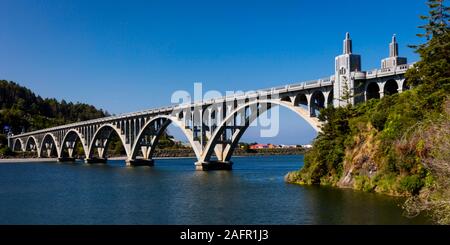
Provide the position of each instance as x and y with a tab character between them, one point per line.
213	165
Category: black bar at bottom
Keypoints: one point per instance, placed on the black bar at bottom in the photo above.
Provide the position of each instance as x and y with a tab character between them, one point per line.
246	234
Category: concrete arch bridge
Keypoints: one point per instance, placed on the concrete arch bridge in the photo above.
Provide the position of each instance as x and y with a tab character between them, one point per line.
214	127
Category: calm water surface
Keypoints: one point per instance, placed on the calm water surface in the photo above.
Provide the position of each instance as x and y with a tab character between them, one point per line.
173	193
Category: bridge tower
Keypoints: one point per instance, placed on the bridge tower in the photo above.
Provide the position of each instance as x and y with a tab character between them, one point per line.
393	60
344	83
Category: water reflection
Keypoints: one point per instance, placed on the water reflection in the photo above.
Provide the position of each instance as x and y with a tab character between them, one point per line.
171	192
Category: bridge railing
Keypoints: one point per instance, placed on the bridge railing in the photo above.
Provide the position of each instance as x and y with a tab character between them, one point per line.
401	69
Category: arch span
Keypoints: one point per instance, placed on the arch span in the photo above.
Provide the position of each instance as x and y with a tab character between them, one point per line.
390	87
317	102
31	144
228	151
330	98
301	100
372	91
18	145
72	136
101	141
286	99
49	144
405	85
168	120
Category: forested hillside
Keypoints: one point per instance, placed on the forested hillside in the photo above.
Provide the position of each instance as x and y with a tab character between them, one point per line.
21	109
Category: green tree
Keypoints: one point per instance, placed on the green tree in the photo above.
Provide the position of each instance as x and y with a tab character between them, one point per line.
438	19
22	109
433	70
346	92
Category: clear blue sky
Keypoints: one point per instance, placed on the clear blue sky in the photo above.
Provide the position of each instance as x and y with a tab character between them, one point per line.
125	56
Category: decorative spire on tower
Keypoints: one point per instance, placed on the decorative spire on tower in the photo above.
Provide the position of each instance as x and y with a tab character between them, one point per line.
346	65
393	60
347	44
393	47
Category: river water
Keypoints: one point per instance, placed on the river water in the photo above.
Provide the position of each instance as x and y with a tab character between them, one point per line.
171	192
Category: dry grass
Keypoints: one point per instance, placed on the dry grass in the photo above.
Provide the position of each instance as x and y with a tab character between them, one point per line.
431	142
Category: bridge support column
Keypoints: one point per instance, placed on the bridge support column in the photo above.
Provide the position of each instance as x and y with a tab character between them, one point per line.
381	91
70	148
140	162
213	165
95	160
48	149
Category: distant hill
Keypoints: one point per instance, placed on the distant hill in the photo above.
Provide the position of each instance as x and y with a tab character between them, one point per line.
21	109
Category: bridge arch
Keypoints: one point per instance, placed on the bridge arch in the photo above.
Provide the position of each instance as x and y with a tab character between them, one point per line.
330	98
50	144
168	120
405	85
286	99
317	102
18	145
301	100
211	144
372	91
101	140
73	135
31	144
390	87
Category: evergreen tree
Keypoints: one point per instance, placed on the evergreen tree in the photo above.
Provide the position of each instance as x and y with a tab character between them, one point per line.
437	20
346	92
433	70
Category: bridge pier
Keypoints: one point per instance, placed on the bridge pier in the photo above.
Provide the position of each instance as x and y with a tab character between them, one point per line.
95	160
66	159
139	162
213	165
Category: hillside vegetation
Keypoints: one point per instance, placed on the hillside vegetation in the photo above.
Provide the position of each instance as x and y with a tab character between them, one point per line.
397	145
22	110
